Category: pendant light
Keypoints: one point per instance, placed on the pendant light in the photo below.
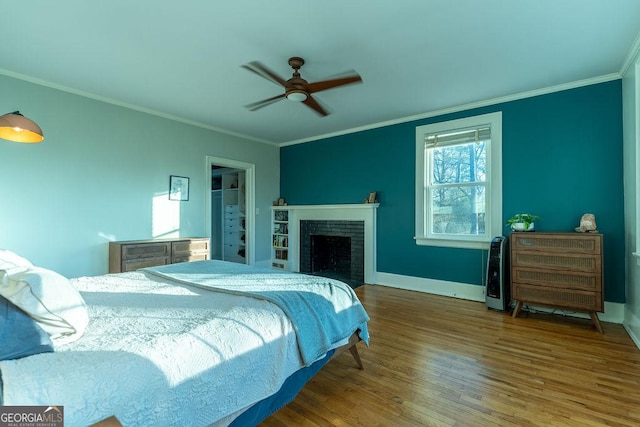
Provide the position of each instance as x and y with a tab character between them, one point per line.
16	127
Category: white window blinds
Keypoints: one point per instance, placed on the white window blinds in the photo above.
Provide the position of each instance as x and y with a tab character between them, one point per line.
459	136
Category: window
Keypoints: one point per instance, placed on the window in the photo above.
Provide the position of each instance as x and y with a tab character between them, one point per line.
459	182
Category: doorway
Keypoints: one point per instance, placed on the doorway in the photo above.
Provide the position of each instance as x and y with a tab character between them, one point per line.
230	209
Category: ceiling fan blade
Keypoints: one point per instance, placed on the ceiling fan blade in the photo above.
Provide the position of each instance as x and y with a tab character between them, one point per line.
257	105
329	84
265	73
314	105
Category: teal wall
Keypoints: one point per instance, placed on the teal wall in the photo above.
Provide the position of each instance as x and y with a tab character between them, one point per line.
562	157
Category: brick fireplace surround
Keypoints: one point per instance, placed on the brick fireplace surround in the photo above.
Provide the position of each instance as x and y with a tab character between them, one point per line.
349	255
344	216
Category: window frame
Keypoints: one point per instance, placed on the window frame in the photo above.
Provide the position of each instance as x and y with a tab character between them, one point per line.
636	124
493	192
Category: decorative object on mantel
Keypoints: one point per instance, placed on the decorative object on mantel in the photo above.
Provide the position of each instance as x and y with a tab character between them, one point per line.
178	188
16	127
371	198
587	224
280	202
522	222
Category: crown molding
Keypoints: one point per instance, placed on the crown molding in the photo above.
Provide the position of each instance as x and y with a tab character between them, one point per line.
492	101
129	106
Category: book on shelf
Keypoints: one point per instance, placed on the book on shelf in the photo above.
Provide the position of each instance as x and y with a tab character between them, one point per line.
280	241
282	254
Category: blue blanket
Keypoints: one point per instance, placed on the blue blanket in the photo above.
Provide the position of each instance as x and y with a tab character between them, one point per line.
323	311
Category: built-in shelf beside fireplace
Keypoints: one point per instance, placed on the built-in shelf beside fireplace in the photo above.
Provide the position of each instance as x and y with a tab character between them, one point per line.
347	224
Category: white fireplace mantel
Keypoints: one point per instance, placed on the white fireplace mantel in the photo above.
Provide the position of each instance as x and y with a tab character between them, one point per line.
346	212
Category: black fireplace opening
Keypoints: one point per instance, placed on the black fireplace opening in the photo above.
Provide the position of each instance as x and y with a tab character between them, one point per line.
331	256
334	249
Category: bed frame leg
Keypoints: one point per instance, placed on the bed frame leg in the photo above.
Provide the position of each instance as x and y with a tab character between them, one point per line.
112	421
354	352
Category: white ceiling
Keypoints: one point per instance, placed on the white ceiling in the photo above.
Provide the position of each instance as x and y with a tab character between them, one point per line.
183	59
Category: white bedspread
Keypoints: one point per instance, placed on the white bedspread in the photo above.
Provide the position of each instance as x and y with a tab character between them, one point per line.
323	311
159	353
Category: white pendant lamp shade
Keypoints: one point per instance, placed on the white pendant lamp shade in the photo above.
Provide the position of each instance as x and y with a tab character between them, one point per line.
16	127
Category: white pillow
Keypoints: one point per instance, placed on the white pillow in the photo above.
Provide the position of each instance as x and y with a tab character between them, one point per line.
11	263
50	299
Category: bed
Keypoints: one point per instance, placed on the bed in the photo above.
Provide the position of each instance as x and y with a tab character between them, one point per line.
200	343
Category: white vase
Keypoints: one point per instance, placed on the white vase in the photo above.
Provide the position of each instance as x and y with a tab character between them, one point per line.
519	226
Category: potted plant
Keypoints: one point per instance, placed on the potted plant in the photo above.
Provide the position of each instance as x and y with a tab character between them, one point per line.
522	222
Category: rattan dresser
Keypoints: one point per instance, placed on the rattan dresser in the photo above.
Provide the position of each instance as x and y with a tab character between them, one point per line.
560	270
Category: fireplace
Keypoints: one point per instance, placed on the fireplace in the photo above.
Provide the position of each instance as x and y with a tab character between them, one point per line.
331	255
335	218
333	248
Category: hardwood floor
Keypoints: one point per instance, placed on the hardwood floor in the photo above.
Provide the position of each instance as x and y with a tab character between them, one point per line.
439	361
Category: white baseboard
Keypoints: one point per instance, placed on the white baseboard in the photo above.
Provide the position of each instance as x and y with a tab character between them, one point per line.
632	325
613	312
432	286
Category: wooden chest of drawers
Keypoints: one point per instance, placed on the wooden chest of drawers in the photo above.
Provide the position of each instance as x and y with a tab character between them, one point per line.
134	254
561	270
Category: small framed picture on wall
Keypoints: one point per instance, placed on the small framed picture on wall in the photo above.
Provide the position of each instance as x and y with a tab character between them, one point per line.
178	188
372	197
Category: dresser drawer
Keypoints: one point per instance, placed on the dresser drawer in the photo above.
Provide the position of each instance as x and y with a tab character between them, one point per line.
231	215
232	222
231	226
231	250
557	297
231	239
557	279
134	264
190	257
587	244
151	250
186	247
558	261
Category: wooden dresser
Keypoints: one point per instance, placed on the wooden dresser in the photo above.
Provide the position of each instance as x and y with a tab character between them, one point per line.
560	270
134	254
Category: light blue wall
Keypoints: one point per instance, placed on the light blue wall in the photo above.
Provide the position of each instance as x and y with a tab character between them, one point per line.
562	157
102	174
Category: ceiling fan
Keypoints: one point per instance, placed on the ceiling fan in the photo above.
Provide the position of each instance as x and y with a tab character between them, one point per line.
297	88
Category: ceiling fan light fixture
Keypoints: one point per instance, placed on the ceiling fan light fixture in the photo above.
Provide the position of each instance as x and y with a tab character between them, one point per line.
16	127
296	88
297	95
